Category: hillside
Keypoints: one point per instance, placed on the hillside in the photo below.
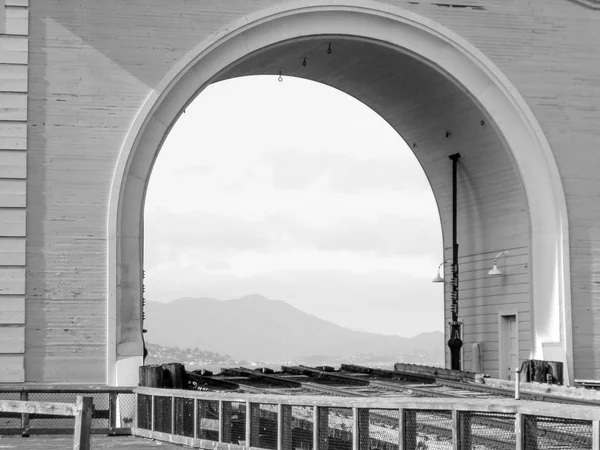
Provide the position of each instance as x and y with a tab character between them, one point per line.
258	329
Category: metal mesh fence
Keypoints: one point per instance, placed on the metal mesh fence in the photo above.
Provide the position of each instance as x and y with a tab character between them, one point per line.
237	427
487	431
302	427
339	429
120	407
124	410
144	412
9	420
163	414
554	433
431	430
268	427
208	420
384	429
184	417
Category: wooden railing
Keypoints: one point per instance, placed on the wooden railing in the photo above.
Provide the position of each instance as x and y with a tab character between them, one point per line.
237	421
81	410
113	410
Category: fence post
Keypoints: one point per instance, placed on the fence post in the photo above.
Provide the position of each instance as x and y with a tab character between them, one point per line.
360	429
83	423
596	435
172	414
284	427
224	421
461	430
519	432
112	413
195	418
25	416
153	414
408	429
252	424
320	428
136	421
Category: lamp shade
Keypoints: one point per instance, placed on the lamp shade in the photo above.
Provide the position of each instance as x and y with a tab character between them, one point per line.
495	270
438	279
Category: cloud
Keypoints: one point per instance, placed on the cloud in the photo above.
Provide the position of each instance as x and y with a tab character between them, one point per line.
169	236
294	169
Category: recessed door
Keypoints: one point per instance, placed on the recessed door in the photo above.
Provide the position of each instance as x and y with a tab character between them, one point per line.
509	347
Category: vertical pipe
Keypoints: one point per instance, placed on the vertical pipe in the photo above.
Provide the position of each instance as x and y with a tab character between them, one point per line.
172	414
25	416
195	418
455	342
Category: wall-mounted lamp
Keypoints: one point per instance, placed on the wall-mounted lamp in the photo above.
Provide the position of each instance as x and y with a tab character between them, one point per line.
495	270
439	278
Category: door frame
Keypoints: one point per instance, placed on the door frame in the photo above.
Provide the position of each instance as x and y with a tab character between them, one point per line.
501	341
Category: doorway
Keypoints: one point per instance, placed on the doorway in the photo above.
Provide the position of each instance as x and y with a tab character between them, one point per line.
509	346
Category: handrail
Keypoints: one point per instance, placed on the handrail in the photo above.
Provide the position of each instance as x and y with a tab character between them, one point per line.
500	405
81	410
65	389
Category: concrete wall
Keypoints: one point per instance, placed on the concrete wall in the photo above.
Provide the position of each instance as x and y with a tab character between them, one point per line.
92	65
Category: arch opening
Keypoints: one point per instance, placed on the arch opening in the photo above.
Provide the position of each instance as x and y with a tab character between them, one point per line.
301	194
443	97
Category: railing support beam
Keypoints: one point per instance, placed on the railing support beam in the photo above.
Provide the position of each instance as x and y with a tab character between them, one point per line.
360	429
83	423
320	428
284	427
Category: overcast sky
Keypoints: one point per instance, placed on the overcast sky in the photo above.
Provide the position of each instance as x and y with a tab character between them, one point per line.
298	192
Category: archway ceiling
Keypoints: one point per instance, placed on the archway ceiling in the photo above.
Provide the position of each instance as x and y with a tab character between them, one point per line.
419	101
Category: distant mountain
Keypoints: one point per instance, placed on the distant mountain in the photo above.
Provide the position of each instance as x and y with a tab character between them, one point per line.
258	329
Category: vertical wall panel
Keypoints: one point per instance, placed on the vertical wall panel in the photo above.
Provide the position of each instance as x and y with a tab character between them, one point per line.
14	26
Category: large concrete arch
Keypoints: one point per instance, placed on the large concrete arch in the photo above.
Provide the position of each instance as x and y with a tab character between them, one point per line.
382	26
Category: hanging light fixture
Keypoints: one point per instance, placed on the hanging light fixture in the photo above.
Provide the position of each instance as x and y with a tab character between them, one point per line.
495	271
439	278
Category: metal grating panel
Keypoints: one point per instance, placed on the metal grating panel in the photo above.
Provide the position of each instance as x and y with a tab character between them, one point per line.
384	429
208	420
99	417
302	427
487	431
552	433
339	431
184	417
268	427
163	411
144	412
431	430
10	420
237	420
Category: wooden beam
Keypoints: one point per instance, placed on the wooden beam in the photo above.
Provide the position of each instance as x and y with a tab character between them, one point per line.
25	416
360	429
224	421
320	428
83	423
252	424
284	427
53	409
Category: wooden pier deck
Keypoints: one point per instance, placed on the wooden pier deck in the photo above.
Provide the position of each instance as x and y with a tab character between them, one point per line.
98	442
